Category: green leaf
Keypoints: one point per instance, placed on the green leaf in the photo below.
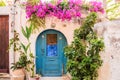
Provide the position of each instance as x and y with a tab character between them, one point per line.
27	32
25	48
2	3
31	55
24	33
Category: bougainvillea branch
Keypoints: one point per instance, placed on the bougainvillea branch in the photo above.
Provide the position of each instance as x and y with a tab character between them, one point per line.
64	10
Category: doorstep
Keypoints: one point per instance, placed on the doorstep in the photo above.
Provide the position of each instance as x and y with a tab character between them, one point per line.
64	77
4	76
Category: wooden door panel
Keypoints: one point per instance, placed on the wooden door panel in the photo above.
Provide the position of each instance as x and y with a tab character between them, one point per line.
51	58
49	51
4	42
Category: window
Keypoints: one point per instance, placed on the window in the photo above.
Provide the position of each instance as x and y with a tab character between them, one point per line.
51	45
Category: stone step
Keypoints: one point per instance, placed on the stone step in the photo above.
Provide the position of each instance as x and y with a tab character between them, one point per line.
4	76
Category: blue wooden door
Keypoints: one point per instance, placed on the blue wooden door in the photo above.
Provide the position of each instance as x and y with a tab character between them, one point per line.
50	59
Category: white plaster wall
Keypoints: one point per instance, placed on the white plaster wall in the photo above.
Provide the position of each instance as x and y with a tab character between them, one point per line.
110	31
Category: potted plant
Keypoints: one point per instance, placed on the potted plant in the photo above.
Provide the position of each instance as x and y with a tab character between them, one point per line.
25	64
18	66
27	33
33	76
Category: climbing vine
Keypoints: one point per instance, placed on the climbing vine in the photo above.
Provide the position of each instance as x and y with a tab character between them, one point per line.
83	53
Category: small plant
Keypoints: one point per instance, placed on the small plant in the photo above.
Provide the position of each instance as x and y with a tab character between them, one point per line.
2	3
18	49
83	54
27	34
26	59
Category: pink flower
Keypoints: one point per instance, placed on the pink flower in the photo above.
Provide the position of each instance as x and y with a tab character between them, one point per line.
96	7
63	11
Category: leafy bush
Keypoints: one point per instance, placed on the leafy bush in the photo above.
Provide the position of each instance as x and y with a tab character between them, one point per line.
83	54
2	3
19	47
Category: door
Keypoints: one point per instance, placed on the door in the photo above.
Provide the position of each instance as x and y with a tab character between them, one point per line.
50	59
4	41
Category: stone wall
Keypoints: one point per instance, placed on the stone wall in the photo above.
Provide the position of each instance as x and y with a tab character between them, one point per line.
110	31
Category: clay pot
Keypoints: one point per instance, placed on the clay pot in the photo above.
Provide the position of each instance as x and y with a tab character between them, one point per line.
34	78
18	74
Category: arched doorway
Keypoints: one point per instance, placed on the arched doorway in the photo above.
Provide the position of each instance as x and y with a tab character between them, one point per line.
50	58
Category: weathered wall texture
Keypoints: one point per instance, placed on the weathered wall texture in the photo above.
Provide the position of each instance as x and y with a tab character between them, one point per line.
110	31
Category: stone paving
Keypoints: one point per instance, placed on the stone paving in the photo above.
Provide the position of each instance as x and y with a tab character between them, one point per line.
64	77
44	78
4	76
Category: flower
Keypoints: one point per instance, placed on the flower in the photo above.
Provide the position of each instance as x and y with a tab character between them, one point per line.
96	7
62	10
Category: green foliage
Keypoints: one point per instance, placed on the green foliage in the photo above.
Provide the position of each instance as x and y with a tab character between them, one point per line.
22	63
33	2
15	42
113	10
37	22
27	32
2	3
19	47
24	50
83	54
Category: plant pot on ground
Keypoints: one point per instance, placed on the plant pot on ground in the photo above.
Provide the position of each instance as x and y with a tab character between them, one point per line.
18	74
35	77
19	67
27	49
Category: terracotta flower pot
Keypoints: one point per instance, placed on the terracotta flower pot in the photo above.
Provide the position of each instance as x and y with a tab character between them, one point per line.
18	74
34	78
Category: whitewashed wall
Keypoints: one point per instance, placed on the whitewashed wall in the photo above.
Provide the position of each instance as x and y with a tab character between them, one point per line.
110	31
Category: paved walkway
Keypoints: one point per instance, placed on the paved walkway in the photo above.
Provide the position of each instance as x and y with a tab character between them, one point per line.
44	78
56	78
64	77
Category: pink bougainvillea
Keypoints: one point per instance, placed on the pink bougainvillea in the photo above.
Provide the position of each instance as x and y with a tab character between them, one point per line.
96	7
62	10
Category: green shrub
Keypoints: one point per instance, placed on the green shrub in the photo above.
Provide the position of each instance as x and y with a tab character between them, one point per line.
2	3
83	54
